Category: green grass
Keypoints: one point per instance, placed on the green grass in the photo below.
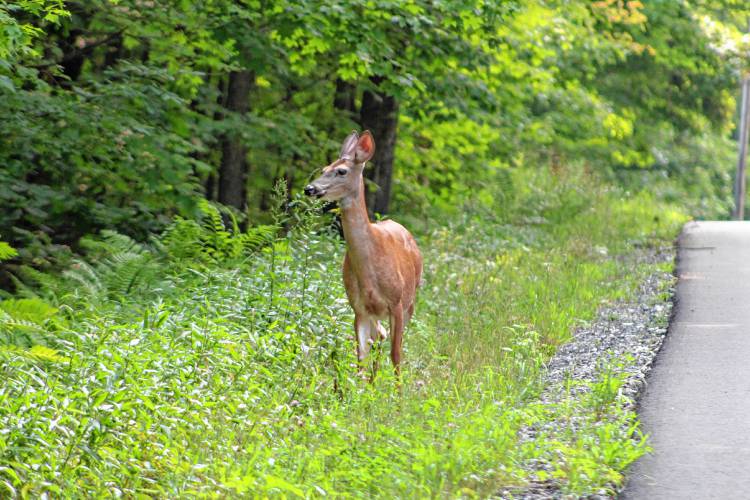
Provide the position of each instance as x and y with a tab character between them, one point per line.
203	366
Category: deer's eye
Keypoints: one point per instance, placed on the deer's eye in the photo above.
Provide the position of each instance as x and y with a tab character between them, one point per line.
341	172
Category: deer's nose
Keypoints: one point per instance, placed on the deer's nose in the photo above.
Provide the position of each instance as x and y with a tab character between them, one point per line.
310	190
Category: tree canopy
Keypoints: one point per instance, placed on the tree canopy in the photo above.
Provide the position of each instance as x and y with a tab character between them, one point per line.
121	114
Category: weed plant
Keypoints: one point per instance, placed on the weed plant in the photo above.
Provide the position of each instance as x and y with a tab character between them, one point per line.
214	362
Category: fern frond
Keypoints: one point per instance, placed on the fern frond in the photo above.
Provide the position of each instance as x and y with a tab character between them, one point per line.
34	310
257	237
19	331
182	240
209	240
110	242
34	353
85	275
6	251
211	217
126	271
46	285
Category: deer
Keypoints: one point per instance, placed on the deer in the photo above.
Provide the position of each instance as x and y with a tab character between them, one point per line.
383	266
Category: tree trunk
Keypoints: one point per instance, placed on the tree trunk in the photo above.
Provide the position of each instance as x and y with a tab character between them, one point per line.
212	180
379	114
344	98
73	59
114	51
233	168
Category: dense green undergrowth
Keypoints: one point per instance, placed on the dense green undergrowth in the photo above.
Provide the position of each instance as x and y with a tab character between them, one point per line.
211	363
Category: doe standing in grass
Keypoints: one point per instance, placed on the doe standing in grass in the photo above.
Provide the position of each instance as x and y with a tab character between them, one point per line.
383	266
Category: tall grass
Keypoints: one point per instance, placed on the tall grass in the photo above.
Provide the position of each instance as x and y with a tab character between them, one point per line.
228	368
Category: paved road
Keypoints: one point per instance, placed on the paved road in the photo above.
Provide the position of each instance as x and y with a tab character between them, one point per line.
697	404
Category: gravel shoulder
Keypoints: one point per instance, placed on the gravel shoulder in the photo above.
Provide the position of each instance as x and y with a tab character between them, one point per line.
627	335
630	332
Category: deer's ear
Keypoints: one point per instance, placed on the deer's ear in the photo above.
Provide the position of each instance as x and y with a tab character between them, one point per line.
365	147
347	148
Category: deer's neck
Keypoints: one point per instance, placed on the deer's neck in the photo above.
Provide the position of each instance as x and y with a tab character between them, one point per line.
357	229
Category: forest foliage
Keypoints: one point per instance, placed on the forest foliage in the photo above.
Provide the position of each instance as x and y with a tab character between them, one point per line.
121	115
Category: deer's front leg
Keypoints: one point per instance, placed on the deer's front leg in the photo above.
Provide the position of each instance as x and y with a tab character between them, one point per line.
363	328
378	335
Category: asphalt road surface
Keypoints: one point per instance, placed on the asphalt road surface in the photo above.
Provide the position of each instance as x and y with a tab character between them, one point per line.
696	407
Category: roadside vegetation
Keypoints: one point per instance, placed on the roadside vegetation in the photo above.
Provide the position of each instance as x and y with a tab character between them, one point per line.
173	321
197	364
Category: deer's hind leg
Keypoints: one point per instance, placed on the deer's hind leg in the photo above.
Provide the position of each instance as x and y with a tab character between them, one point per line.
397	332
408	313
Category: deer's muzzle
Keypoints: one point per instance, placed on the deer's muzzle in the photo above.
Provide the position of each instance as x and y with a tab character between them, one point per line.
313	190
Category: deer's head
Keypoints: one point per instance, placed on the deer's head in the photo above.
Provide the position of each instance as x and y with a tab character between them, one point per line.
343	177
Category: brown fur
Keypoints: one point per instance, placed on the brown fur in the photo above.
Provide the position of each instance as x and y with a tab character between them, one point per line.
383	265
